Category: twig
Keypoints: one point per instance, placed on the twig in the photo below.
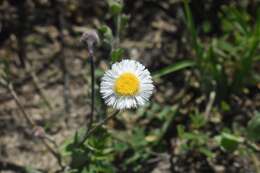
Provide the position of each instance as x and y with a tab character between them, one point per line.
21	82
212	97
19	104
8	166
48	138
21	33
37	85
41	91
63	59
53	152
33	125
61	26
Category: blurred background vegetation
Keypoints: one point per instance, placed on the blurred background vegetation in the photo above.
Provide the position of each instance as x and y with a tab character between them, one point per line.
204	56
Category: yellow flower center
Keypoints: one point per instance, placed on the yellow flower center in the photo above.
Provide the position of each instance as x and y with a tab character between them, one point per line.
127	84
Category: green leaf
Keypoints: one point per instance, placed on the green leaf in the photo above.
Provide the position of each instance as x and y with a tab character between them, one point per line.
191	28
124	21
72	143
257	58
229	142
171	112
253	128
198	120
117	55
115	7
206	152
173	68
225	106
181	131
106	33
29	169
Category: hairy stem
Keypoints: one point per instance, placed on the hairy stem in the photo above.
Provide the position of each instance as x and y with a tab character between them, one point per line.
92	130
19	104
92	68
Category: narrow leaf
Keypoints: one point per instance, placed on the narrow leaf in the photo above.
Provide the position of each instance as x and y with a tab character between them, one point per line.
117	55
173	68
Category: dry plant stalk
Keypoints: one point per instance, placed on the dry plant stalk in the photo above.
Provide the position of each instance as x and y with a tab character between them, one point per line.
41	134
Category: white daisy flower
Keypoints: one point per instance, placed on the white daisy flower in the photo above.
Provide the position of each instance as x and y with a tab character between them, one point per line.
127	85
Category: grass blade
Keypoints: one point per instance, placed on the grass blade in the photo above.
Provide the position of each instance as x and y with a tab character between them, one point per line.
173	68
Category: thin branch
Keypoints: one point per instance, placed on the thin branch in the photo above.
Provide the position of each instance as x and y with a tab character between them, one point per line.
48	138
21	82
37	85
54	153
212	97
41	91
19	104
33	125
8	166
61	23
22	32
64	57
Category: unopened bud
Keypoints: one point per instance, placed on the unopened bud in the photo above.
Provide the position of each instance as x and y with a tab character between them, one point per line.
39	132
90	38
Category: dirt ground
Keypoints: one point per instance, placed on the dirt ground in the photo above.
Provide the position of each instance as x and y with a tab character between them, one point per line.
155	39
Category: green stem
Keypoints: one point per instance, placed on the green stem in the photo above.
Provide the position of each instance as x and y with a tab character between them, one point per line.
118	29
192	30
92	130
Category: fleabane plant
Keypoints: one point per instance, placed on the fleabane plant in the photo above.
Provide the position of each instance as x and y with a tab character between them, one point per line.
128	84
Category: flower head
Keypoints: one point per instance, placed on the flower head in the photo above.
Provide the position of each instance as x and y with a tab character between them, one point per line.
127	85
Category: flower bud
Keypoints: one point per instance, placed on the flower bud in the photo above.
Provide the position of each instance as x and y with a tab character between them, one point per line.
90	38
39	132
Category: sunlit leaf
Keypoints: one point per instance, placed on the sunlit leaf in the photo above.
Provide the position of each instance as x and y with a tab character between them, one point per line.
117	54
229	142
173	68
115	7
253	128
